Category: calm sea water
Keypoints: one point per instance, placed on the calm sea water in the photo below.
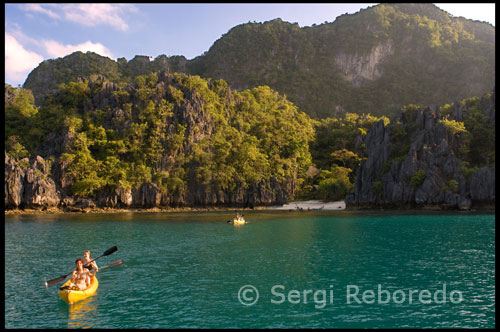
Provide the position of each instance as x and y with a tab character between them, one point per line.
188	270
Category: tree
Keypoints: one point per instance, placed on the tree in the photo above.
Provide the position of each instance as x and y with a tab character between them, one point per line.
346	157
334	184
453	127
15	149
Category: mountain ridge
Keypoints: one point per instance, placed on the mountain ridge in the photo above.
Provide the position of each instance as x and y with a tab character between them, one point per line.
373	61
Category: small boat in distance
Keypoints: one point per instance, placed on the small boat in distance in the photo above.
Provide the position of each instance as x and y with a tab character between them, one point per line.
239	220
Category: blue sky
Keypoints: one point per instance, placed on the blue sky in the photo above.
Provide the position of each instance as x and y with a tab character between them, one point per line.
36	32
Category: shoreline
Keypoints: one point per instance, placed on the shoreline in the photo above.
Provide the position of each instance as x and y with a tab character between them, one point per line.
295	206
305	205
311	205
56	210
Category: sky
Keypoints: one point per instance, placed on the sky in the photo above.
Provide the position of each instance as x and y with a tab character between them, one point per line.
35	32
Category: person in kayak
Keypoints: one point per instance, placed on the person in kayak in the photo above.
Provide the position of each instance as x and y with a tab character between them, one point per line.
80	279
88	264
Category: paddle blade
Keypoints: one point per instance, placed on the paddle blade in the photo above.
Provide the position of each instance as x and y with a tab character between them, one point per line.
110	251
117	263
55	281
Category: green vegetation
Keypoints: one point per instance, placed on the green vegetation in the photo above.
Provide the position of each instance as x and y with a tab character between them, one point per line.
452	186
256	135
472	140
453	127
425	57
466	170
475	134
417	178
334	184
20	117
427	47
15	149
224	139
377	187
335	140
338	145
480	145
124	123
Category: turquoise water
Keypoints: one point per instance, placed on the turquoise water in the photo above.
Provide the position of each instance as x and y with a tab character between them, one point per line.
186	270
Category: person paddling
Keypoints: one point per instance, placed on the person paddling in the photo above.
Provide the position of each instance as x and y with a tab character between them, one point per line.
80	279
89	264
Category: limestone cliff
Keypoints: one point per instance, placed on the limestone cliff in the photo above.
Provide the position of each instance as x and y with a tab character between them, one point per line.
28	184
359	68
183	137
429	170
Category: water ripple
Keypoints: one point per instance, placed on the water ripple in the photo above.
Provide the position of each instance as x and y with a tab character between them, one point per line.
185	270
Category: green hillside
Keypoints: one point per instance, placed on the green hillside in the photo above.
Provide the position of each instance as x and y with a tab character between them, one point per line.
374	61
193	139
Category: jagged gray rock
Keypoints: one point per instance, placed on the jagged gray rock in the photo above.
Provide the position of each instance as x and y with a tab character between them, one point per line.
34	186
29	185
14	177
431	149
482	185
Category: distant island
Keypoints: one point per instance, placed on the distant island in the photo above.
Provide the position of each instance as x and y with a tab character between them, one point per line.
392	107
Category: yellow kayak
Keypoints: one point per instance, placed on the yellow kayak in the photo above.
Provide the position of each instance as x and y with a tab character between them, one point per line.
72	296
240	221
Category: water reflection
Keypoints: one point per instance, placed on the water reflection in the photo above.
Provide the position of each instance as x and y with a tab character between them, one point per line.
83	314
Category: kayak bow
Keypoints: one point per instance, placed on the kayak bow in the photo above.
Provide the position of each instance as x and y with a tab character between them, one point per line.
240	221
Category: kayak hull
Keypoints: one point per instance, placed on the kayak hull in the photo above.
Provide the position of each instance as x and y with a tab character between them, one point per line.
72	296
239	222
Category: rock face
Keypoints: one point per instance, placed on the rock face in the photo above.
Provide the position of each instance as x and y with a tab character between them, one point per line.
482	185
37	183
14	187
28	184
360	68
429	174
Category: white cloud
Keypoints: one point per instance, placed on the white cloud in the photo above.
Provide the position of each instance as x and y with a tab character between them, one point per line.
22	38
87	14
36	7
98	14
18	61
55	49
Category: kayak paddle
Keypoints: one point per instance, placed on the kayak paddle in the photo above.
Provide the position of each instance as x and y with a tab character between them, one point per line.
106	253
55	281
117	263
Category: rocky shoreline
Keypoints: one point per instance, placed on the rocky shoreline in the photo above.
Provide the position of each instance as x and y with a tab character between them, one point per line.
56	210
36	184
292	206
